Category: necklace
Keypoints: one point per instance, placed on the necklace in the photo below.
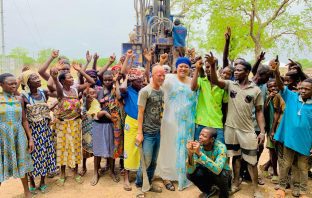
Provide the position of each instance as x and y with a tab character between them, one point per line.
299	112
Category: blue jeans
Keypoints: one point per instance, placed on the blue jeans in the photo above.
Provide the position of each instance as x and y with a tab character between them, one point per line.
199	128
150	146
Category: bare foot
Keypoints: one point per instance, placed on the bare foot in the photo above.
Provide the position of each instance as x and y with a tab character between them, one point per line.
94	180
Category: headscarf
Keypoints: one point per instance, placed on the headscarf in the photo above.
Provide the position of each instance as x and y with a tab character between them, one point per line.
183	60
135	73
25	77
116	67
92	72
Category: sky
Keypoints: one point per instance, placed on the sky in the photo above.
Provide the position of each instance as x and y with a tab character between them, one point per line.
72	26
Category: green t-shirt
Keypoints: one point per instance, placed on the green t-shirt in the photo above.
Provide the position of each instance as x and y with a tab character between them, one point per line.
209	105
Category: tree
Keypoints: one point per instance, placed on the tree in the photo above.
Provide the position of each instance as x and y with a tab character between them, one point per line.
43	55
22	54
256	25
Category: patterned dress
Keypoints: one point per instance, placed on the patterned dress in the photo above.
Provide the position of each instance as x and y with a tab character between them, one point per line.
87	145
38	116
68	130
178	125
15	160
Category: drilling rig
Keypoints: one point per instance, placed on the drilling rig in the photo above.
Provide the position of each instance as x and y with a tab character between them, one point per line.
154	23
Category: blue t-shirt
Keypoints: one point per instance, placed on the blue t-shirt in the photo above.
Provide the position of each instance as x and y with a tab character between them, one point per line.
131	102
179	36
295	128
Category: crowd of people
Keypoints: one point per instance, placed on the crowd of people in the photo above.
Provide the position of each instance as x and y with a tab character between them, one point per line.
193	122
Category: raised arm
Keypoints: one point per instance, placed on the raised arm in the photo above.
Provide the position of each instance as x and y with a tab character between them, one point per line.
199	64
43	69
213	73
95	59
125	63
88	59
59	89
148	57
257	63
78	68
227	36
274	64
111	60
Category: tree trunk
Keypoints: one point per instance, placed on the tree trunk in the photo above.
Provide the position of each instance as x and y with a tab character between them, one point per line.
258	49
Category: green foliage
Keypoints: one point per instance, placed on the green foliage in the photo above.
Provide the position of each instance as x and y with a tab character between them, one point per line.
305	63
43	55
256	25
22	54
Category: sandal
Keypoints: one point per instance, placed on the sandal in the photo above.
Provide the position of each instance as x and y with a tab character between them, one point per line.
43	189
169	186
234	189
126	187
79	179
33	190
60	182
155	189
260	181
115	177
82	172
140	194
279	194
275	179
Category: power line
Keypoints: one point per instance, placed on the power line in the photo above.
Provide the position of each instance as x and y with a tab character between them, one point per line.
34	22
26	24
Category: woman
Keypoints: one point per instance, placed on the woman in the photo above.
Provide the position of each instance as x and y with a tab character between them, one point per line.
130	96
38	116
16	142
68	128
103	129
177	126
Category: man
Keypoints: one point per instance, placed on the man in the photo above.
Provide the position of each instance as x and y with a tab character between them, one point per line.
150	111
210	100
295	133
206	164
179	33
240	137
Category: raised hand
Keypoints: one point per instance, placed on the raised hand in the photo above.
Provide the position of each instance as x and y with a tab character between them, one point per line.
95	56
88	57
193	53
199	63
133	57
211	59
261	56
228	33
112	58
129	53
54	72
163	58
55	53
274	64
147	55
76	66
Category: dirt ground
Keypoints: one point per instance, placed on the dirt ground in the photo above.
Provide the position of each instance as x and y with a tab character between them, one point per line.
107	188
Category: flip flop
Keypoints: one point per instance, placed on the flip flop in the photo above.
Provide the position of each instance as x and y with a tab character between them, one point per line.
169	186
260	181
140	194
43	188
234	189
127	187
275	179
33	190
82	172
60	182
79	179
